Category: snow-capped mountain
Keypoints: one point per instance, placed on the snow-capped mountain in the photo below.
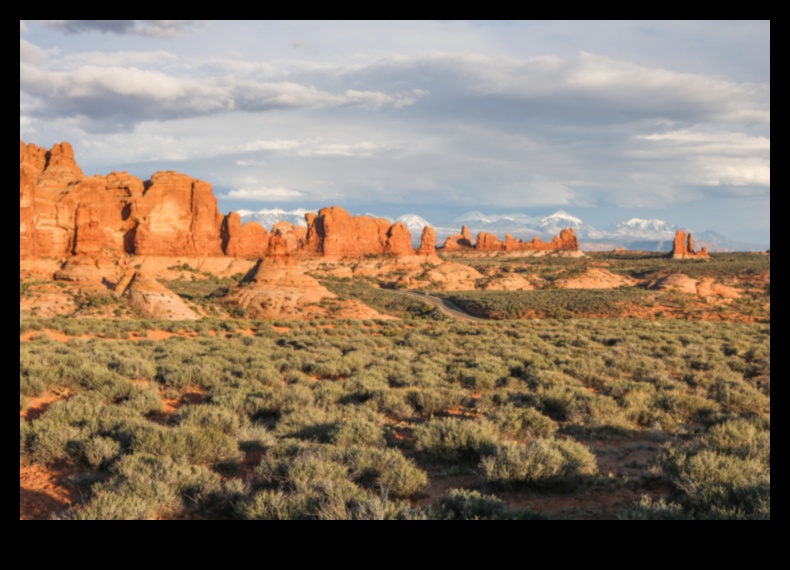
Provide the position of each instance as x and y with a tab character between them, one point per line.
636	233
268	217
414	222
560	220
525	226
646	225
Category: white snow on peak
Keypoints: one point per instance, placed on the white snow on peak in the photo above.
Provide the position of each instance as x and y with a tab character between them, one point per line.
564	216
413	222
639	223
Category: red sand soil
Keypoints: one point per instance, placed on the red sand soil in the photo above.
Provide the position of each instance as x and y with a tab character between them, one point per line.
38	405
42	491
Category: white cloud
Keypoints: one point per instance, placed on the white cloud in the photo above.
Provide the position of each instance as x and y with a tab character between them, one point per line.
31	54
263	193
361	149
260	144
23	26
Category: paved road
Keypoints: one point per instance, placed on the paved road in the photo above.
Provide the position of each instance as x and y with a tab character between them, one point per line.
447	307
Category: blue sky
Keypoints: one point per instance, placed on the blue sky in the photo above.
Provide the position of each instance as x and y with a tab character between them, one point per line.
607	120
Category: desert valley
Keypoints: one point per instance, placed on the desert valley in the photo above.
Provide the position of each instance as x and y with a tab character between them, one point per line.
177	363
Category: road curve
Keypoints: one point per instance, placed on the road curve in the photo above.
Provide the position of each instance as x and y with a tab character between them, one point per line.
446	307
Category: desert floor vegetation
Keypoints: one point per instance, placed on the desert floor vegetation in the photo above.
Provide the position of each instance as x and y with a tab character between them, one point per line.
418	418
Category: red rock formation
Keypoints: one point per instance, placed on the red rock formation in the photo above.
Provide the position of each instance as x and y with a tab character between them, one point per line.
178	216
294	237
457	242
487	242
244	240
683	247
398	240
427	241
63	213
335	233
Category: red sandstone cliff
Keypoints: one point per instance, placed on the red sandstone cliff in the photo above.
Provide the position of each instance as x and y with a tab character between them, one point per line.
335	233
63	213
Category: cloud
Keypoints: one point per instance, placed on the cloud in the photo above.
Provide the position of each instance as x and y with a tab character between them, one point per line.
278	144
150	28
23	26
360	149
31	54
726	159
123	89
263	194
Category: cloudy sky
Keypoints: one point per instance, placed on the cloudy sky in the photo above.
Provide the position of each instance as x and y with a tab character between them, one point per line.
606	120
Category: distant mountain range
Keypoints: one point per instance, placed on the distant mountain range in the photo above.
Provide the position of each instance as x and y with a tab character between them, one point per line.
636	233
267	218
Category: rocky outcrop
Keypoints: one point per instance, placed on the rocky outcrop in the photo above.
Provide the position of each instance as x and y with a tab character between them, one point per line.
705	287
81	269
427	241
510	282
683	247
152	300
453	277
244	240
487	242
459	242
63	213
335	233
595	278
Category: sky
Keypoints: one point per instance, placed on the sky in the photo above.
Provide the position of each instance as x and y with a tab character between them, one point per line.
607	120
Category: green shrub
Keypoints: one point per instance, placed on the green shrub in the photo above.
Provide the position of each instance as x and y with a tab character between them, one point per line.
463	504
523	423
451	440
539	461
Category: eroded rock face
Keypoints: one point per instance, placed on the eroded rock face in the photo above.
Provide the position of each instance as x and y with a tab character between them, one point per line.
427	242
683	247
244	240
63	213
335	233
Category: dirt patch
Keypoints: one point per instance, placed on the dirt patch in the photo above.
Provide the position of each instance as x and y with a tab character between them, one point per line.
192	395
38	405
440	483
42	491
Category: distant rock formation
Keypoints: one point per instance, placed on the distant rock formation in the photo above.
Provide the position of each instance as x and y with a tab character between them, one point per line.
63	213
487	242
244	240
683	247
335	233
458	242
427	241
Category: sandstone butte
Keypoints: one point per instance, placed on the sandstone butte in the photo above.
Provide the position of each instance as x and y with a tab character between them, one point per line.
683	247
63	214
487	242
